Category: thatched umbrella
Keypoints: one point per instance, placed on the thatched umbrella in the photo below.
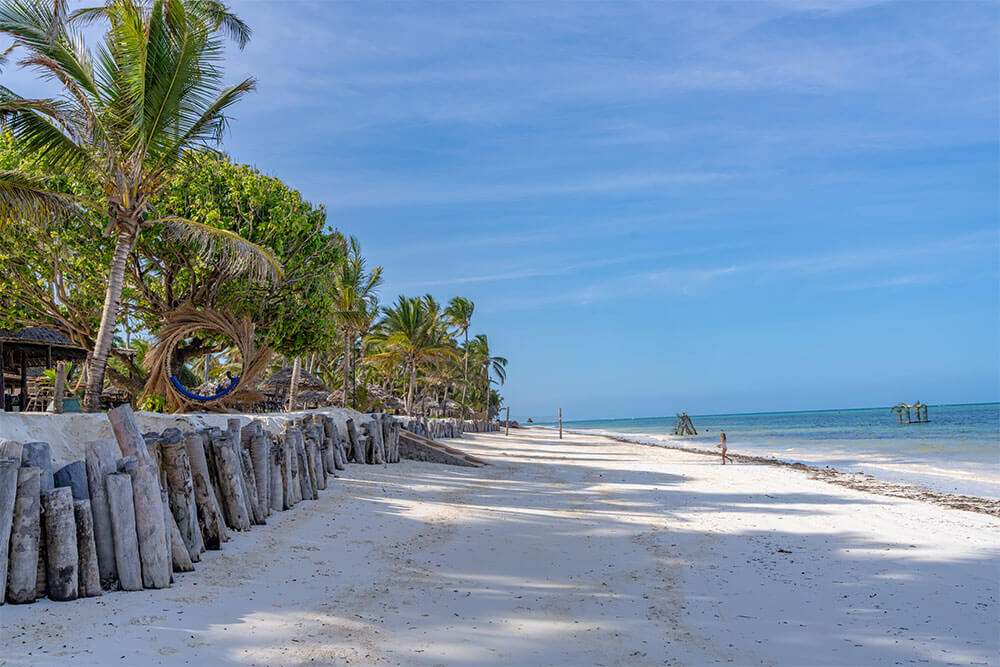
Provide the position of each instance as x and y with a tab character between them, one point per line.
282	380
451	406
427	406
312	398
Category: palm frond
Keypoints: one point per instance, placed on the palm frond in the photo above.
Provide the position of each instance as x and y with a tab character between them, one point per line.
24	198
242	256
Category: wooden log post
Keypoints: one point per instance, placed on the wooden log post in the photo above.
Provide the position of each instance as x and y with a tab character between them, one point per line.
276	462
180	557
126	543
250	488
357	447
387	437
288	481
230	483
180	497
60	388
8	498
325	446
25	531
305	477
61	552
89	574
209	516
314	456
150	527
100	461
294	482
260	447
74	475
39	455
208	435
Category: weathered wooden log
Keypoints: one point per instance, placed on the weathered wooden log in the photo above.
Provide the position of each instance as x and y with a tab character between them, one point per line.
376	433
11	449
250	488
275	461
25	531
357	450
260	448
180	497
100	461
313	464
61	553
208	435
288	482
230	476
8	497
121	507
244	486
89	583
74	475
180	557
293	485
308	489
386	423
210	521
315	440
39	455
150	527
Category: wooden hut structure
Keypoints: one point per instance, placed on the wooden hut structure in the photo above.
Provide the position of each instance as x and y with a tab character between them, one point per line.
921	416
31	348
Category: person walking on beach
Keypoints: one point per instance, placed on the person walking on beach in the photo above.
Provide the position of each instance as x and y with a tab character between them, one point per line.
722	434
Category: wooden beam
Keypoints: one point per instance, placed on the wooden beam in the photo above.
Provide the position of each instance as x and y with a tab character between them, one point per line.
24	381
3	385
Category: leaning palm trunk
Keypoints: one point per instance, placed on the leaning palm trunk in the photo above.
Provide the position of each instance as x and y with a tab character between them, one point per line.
413	384
347	364
465	377
293	387
109	319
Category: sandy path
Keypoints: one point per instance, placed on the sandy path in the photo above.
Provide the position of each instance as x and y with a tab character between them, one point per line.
581	551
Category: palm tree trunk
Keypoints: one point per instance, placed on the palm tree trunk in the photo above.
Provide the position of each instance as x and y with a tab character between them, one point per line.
465	376
293	387
347	363
109	319
409	394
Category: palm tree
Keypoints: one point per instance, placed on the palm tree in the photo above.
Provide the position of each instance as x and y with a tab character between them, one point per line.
125	117
409	335
487	364
459	315
355	304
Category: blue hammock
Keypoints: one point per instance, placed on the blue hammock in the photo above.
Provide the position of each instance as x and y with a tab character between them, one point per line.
195	397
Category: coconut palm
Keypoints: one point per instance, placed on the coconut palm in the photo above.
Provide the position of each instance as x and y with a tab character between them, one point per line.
486	364
409	335
459	315
355	305
151	89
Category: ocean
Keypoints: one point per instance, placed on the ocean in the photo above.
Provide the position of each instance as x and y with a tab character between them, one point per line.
958	451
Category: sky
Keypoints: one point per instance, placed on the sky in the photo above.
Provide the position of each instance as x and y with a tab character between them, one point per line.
660	207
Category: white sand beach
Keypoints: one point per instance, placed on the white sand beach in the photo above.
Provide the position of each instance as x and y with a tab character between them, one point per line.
578	551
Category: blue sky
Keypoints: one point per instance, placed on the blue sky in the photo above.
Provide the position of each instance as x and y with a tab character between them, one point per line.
661	207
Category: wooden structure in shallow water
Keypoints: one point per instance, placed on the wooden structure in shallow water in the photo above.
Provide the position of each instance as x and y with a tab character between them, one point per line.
684	425
922	417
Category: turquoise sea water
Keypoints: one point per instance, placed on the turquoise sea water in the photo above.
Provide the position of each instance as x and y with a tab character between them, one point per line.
958	451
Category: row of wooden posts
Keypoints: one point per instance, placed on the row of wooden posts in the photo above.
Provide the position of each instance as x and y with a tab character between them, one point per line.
130	522
447	428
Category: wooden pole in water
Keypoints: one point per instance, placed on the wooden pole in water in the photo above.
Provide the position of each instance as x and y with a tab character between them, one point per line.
560	423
